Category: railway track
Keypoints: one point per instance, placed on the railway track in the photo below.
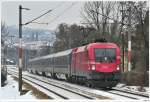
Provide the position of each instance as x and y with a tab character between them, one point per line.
81	90
56	95
61	92
128	94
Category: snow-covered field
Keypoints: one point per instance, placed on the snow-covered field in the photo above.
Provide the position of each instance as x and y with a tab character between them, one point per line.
10	91
137	89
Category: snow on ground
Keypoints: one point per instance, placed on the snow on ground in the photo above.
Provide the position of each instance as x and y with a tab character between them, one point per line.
10	91
120	86
144	90
137	89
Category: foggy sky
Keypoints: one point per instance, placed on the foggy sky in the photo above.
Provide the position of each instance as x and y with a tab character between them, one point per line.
62	12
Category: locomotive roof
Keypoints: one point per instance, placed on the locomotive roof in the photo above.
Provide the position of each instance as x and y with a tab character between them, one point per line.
103	44
62	53
91	45
41	57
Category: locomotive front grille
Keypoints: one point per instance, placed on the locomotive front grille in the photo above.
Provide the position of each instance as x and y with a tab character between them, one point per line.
105	76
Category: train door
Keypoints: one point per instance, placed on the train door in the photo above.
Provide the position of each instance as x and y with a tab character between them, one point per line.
69	64
73	62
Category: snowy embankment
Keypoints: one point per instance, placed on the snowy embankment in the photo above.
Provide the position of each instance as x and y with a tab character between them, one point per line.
10	91
135	89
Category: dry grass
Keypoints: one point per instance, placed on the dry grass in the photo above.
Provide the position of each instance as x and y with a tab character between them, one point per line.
27	87
135	78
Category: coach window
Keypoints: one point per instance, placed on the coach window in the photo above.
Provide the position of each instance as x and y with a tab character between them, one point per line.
50	62
55	61
40	62
59	60
47	64
44	62
65	60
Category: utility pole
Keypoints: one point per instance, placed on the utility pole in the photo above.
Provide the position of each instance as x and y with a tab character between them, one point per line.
20	41
129	39
20	48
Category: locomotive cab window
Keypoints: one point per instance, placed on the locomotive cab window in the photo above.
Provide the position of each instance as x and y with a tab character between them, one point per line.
107	55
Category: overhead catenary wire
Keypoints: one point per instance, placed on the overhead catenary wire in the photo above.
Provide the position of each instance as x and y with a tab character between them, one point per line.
68	8
31	21
38	17
59	5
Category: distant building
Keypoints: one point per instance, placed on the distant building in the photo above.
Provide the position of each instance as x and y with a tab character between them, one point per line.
34	49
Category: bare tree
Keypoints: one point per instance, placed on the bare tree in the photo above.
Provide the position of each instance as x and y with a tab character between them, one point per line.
93	13
141	37
4	32
62	37
138	12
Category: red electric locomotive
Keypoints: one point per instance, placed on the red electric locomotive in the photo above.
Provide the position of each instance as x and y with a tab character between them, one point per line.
97	63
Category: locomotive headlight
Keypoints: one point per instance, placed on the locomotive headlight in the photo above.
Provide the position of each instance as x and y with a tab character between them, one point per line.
93	67
118	68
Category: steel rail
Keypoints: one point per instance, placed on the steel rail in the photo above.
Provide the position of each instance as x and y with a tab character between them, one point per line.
85	96
93	94
125	91
40	86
